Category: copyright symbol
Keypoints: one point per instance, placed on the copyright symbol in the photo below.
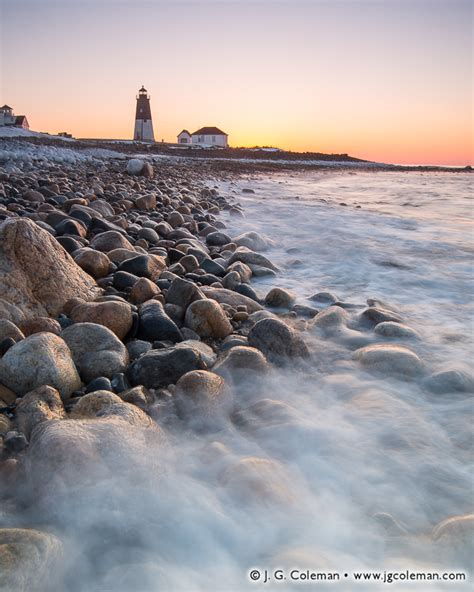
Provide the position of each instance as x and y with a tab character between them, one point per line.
254	575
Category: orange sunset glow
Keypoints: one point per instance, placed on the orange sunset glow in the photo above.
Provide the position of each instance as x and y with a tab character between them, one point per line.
388	81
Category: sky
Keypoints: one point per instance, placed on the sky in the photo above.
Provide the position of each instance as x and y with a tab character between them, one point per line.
384	80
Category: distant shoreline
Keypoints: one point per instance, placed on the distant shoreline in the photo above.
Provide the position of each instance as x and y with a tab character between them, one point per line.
233	159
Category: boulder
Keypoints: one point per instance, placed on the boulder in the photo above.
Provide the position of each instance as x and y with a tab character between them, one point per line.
107	404
206	352
251	257
156	325
116	316
330	321
149	266
377	315
110	240
70	461
203	399
96	350
38	325
279	298
231	298
36	273
9	329
277	340
390	359
138	167
242	362
182	292
10	312
30	560
395	330
453	380
95	263
42	358
253	241
143	290
160	367
258	480
41	404
207	318
146	202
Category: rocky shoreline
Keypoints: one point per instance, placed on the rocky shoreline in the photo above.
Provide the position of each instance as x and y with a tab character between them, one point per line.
126	309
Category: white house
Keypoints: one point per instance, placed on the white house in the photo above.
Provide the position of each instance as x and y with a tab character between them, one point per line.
8	118
207	137
184	137
210	136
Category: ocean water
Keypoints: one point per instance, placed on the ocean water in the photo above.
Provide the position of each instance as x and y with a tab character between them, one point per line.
323	466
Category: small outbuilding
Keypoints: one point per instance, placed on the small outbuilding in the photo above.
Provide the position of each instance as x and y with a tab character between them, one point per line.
184	137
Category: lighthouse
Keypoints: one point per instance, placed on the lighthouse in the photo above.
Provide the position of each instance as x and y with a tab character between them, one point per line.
143	124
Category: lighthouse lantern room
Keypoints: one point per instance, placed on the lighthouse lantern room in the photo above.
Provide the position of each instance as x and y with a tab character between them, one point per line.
143	123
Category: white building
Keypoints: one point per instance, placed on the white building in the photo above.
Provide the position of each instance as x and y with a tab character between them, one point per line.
207	137
184	137
7	117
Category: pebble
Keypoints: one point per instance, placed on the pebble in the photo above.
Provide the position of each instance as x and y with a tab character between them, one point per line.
207	318
390	360
276	340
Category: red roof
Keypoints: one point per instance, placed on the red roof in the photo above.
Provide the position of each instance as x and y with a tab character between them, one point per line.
6	107
20	119
209	131
184	132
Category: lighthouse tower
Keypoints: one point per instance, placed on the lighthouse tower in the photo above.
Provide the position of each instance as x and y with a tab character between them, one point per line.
143	124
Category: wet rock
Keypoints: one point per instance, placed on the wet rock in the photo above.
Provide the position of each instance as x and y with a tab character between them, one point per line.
137	395
450	381
395	330
96	350
109	241
38	325
247	256
67	460
258	480
124	280
378	315
279	298
156	325
43	358
231	298
15	441
253	241
36	273
161	367
241	363
390	359
203	399
143	290
324	297
207	318
95	263
30	560
242	269
41	404
330	321
207	354
454	540
276	340
217	239
106	404
32	195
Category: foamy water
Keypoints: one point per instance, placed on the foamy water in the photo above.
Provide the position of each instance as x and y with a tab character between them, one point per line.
324	467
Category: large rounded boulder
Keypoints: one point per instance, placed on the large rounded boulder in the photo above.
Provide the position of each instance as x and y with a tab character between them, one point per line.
276	340
42	358
96	350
